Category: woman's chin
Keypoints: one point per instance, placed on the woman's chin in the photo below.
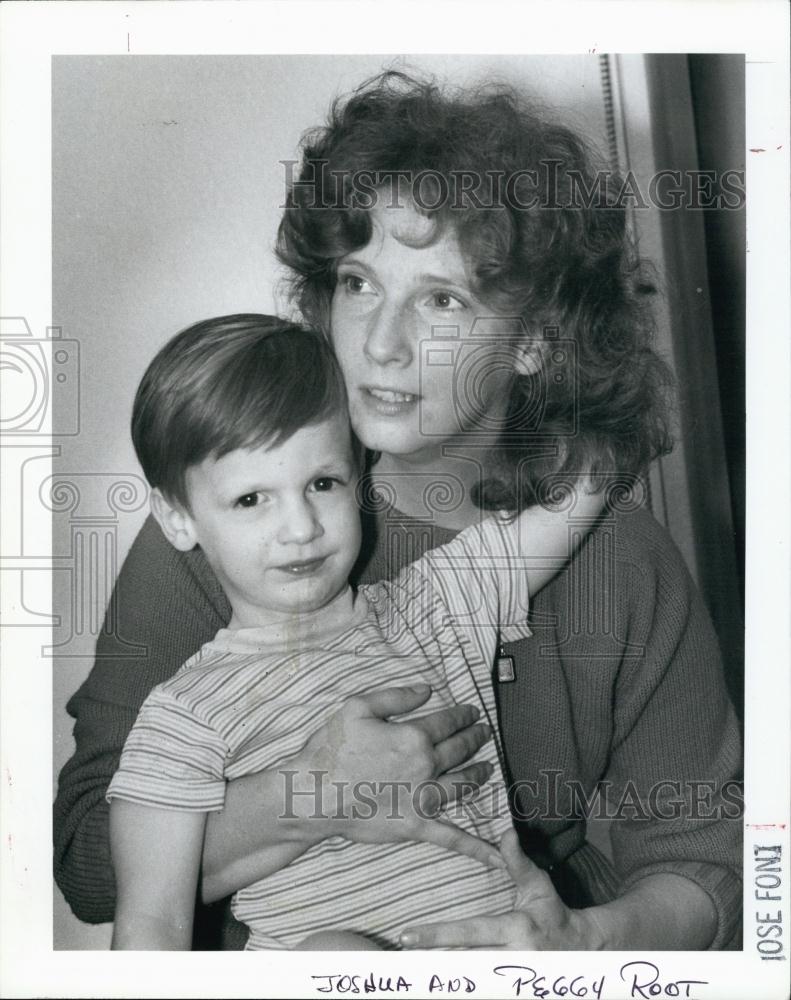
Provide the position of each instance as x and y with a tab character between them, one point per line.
410	448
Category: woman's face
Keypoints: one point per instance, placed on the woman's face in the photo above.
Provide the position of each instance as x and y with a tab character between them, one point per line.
425	362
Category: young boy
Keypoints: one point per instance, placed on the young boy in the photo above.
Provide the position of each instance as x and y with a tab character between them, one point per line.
241	426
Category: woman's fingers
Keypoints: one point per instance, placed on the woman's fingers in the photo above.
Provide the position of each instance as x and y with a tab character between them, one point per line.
390	701
478	932
453	733
539	921
465	782
445	722
519	866
433	796
452	838
457	749
533	884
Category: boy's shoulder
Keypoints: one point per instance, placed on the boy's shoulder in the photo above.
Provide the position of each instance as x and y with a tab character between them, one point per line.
196	678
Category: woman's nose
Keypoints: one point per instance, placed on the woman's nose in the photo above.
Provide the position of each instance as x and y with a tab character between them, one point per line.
299	522
390	336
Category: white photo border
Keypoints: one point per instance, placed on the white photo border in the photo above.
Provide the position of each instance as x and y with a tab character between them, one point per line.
31	34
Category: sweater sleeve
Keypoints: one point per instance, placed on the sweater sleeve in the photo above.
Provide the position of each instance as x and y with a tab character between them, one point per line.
165	606
675	760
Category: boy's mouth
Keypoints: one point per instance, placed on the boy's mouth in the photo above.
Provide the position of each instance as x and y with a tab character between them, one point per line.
302	567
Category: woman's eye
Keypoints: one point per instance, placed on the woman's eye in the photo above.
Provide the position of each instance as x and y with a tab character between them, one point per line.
354	283
248	500
445	300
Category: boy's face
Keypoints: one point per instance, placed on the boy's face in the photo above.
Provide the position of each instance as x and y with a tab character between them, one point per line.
279	526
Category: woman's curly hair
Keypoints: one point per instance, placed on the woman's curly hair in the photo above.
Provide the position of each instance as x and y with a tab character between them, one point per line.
541	223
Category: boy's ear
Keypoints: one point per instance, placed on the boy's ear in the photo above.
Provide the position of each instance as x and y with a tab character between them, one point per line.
528	357
175	523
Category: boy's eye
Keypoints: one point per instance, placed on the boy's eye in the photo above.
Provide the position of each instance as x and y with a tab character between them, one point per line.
324	484
248	500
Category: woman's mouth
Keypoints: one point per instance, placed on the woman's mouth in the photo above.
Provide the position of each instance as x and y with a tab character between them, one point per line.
389	402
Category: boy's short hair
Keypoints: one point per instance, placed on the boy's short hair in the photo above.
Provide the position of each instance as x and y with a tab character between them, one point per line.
242	381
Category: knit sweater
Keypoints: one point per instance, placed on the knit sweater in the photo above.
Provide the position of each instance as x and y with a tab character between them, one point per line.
620	688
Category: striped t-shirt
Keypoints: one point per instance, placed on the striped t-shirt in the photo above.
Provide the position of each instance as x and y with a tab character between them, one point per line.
251	698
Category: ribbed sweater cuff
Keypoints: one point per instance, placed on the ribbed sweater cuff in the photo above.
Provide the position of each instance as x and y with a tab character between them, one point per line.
723	887
87	881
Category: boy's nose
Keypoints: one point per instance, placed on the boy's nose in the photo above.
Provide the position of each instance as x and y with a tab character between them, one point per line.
300	523
389	336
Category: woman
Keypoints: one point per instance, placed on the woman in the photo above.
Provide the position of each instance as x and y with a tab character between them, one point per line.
494	340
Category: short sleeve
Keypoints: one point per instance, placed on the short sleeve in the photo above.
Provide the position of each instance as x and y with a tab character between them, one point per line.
172	759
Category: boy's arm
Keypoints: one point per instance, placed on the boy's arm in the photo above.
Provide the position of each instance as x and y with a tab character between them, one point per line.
156	855
165	605
489	573
550	535
248	839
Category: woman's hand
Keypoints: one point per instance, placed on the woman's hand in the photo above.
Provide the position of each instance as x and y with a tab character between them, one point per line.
405	770
540	920
376	781
664	912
